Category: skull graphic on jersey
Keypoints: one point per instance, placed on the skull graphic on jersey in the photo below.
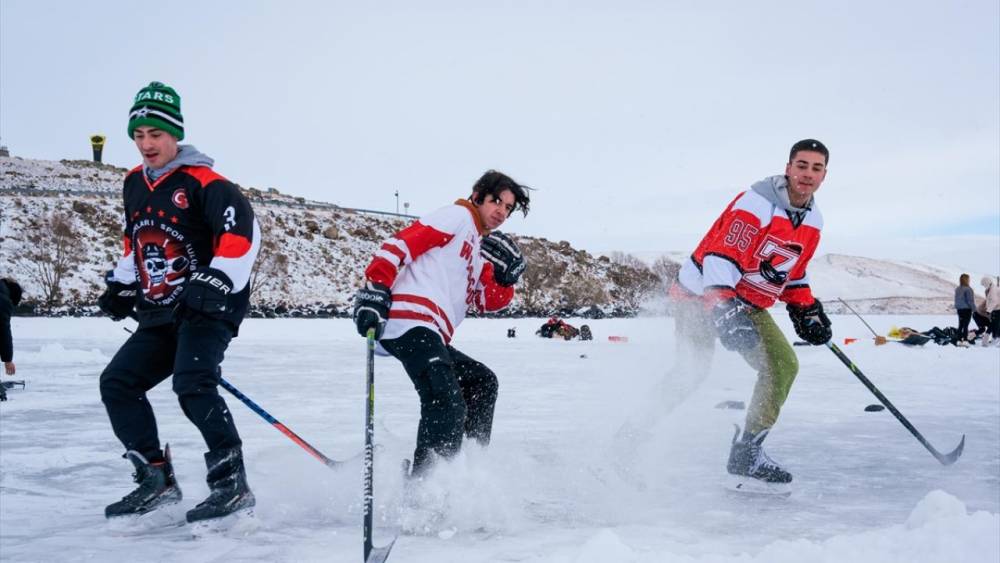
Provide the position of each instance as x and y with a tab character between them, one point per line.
162	264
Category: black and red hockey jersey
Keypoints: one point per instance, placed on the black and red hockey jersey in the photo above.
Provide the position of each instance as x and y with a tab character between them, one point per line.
187	219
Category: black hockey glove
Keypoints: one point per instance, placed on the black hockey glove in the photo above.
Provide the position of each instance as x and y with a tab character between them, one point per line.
732	321
811	323
118	298
502	251
206	293
371	308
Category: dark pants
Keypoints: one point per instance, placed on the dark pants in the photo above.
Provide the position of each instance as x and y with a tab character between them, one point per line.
995	324
192	353
964	316
457	394
982	323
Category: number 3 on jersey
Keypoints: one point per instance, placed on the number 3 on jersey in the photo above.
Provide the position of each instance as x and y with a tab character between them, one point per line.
230	215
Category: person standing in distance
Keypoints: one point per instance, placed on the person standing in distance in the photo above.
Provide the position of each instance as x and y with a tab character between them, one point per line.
755	253
10	297
418	288
190	241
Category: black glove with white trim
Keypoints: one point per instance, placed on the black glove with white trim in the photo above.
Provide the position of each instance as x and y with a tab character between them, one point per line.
811	323
371	308
732	321
118	298
206	293
503	253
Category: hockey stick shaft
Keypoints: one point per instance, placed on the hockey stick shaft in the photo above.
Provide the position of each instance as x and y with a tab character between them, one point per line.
277	424
372	554
369	439
858	315
945	459
332	463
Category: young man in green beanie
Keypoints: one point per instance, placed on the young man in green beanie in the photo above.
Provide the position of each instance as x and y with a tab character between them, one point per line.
190	241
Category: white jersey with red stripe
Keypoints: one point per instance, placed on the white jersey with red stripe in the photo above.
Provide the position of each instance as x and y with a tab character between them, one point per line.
436	273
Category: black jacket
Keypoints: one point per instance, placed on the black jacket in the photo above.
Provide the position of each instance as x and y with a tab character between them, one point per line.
6	311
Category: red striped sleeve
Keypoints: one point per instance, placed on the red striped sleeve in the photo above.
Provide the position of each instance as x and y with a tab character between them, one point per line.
495	296
800	296
231	246
381	271
420	238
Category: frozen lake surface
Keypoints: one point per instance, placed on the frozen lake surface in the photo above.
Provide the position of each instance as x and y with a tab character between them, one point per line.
555	485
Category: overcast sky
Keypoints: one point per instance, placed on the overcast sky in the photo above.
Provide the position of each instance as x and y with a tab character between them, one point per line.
637	122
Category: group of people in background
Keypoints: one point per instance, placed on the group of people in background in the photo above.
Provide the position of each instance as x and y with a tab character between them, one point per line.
985	312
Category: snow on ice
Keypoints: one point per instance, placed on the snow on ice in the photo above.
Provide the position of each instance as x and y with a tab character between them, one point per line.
555	485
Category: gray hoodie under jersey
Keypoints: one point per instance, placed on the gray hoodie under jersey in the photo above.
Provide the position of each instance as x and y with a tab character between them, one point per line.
187	155
775	190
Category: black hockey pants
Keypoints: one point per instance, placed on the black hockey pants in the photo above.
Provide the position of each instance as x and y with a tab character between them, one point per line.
457	394
192	352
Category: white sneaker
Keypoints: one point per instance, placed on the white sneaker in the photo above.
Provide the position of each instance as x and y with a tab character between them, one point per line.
986	340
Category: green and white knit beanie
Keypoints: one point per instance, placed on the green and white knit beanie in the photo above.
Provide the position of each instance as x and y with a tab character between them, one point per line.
159	106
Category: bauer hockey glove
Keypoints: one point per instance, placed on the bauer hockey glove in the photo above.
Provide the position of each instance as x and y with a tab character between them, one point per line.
732	321
118	298
206	293
371	308
811	323
502	251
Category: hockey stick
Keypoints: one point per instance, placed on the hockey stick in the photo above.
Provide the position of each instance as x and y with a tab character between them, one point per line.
372	554
331	463
945	459
851	309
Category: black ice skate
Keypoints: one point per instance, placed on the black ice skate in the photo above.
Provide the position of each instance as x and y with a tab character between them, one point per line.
227	481
157	487
753	470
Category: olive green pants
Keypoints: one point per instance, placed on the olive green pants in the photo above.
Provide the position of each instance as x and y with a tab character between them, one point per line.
773	358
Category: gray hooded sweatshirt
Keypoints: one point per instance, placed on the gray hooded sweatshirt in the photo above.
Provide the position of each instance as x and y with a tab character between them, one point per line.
187	155
775	190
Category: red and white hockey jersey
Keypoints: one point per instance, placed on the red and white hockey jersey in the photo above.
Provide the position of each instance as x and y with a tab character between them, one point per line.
755	250
436	272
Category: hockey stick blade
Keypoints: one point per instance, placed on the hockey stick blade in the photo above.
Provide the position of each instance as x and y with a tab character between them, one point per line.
944	459
379	554
953	456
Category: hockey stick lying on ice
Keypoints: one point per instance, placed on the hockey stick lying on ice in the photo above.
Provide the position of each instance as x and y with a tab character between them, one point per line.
331	463
945	459
372	554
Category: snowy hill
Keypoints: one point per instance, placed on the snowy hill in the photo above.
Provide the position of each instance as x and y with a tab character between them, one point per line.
314	253
312	257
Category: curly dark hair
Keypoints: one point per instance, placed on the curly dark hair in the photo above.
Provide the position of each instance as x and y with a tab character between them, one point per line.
493	183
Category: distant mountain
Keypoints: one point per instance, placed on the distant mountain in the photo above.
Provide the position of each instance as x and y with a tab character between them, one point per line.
314	254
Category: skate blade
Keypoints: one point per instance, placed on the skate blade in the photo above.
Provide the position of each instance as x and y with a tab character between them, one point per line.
753	487
164	517
238	524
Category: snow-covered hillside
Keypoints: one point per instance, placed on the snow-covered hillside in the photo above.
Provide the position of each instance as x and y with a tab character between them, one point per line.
312	257
314	253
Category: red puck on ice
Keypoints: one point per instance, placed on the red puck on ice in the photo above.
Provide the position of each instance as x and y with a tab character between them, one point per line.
617	339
